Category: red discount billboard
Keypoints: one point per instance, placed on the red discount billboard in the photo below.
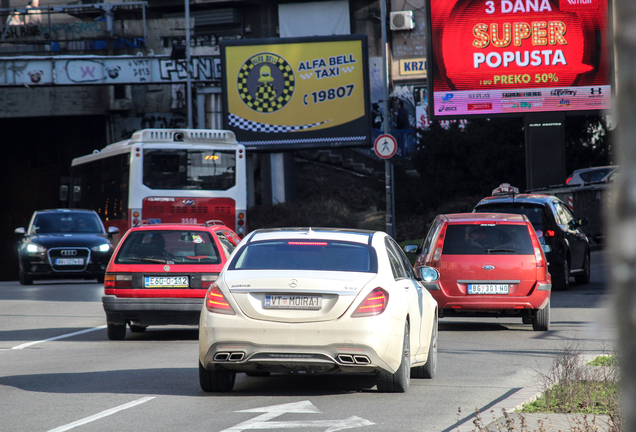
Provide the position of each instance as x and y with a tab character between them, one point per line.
512	57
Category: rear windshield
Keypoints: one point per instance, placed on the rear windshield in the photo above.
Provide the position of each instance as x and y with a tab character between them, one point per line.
487	239
532	211
306	255
176	246
67	222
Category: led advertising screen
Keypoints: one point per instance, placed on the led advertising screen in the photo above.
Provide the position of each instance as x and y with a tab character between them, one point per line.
514	57
295	93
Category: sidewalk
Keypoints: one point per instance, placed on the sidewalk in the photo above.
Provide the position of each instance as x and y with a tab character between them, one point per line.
544	422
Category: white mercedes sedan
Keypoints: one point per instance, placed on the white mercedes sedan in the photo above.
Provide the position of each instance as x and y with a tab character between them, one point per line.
319	300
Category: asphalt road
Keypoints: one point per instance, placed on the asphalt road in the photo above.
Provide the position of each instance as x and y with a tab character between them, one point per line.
58	370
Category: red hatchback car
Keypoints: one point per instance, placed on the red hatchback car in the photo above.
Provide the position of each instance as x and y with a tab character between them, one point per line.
159	274
490	264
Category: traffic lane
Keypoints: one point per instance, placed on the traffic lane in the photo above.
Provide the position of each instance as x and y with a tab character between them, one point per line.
39	312
479	362
60	290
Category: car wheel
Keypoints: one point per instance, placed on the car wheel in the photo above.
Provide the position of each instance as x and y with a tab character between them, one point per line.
116	331
24	279
219	380
584	277
428	370
541	319
398	382
561	282
137	328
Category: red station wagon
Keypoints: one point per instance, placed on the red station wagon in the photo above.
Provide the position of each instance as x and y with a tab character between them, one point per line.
490	264
160	273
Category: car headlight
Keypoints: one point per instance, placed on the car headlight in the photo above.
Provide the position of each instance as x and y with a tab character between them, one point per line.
101	248
35	248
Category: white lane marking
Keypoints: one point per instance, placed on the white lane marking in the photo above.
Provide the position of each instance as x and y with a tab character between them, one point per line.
270	412
101	415
28	344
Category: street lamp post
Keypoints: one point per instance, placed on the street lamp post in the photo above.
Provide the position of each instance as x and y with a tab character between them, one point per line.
188	60
388	166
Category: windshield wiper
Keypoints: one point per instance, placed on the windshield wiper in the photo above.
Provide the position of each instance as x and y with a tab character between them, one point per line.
501	250
155	260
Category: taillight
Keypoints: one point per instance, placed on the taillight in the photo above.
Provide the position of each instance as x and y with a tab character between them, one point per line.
374	304
208	279
437	252
550	233
215	301
538	252
112	280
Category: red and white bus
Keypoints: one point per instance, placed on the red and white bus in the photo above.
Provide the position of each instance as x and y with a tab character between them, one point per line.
165	175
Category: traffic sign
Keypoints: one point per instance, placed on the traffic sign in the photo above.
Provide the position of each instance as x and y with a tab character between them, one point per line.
385	146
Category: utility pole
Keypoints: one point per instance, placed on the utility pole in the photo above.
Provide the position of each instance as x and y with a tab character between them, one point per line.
622	210
388	166
188	60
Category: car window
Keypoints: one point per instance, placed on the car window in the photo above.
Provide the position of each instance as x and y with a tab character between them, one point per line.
397	267
484	239
432	233
226	244
564	217
534	212
301	254
406	264
178	246
71	223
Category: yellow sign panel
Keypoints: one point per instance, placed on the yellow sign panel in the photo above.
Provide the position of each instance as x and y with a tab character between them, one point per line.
294	87
413	66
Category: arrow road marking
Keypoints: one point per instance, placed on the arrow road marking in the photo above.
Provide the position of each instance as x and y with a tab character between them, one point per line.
271	412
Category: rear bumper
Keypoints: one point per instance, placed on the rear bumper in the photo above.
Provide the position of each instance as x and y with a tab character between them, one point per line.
493	305
152	311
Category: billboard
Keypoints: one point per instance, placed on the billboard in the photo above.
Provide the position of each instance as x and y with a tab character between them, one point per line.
296	93
512	57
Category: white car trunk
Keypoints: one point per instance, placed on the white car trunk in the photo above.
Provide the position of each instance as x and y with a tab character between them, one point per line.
293	296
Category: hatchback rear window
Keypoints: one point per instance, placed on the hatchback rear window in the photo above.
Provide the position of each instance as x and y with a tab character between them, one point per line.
306	255
533	212
487	239
176	246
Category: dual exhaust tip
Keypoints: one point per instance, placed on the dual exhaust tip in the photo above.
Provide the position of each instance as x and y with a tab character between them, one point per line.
229	356
353	359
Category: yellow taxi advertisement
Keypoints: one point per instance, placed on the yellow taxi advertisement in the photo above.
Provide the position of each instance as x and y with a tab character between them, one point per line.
297	92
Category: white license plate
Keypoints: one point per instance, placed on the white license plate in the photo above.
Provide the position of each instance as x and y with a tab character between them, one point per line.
166	282
69	261
488	289
292	302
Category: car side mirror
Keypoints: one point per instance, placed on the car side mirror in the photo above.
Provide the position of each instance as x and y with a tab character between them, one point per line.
546	248
113	230
411	249
428	274
19	231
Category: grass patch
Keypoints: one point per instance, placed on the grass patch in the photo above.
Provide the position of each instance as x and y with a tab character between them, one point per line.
597	397
604	360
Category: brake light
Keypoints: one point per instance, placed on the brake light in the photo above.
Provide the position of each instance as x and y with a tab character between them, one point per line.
374	304
306	243
215	301
112	280
550	233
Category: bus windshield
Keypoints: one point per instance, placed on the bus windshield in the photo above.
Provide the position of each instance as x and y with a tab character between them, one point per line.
189	169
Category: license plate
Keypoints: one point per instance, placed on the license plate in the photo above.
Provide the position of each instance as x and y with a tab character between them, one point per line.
488	289
166	282
69	261
292	302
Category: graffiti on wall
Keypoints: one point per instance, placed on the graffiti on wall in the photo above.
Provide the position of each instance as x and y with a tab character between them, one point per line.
124	127
107	70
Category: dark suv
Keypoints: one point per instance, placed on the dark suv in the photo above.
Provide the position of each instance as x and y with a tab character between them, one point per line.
64	244
556	226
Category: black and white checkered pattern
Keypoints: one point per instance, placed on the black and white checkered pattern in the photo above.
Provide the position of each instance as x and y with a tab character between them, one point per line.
252	126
